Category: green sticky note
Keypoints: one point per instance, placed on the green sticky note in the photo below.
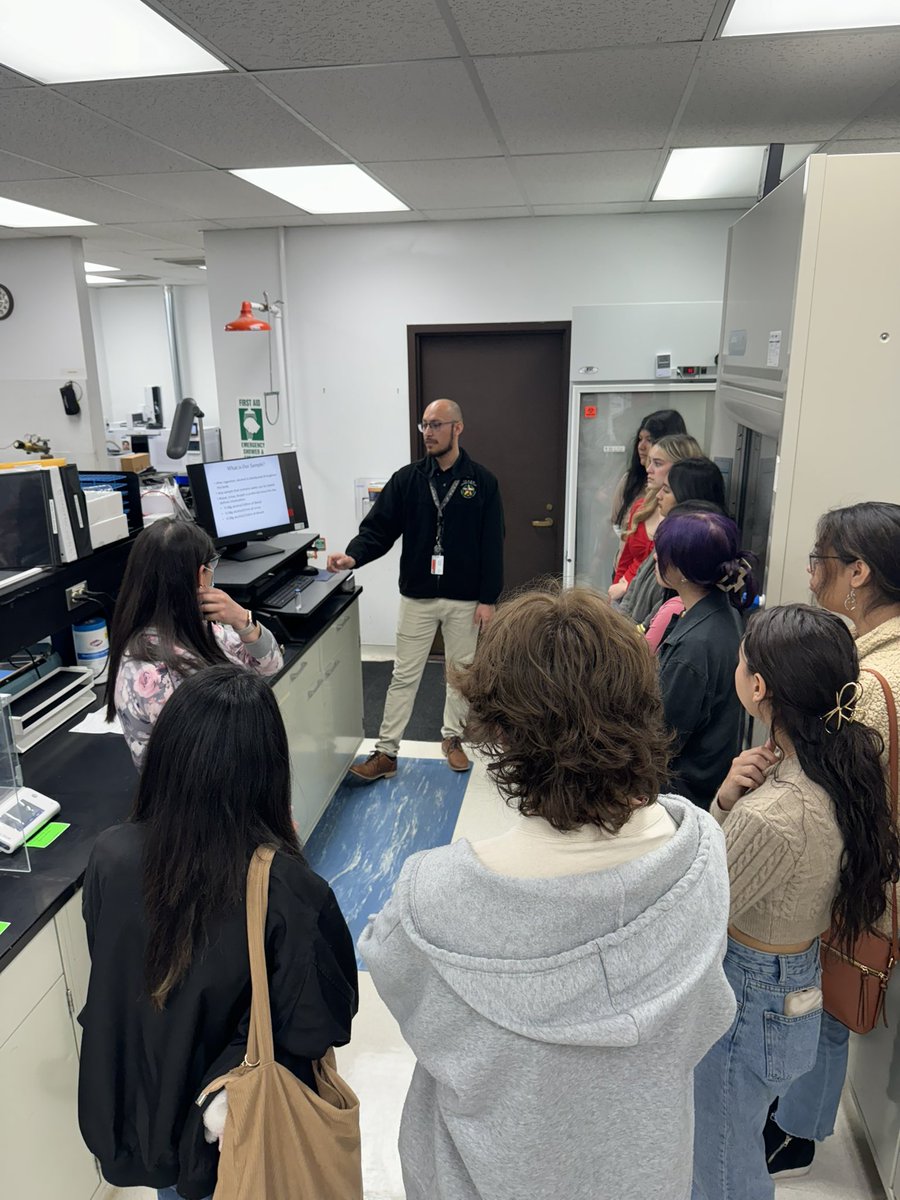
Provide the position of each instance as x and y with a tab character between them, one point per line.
4	925
48	834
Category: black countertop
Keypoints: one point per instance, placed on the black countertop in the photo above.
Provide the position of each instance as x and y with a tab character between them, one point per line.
94	780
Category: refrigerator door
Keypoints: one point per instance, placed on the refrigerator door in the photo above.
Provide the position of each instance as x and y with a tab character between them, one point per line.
607	419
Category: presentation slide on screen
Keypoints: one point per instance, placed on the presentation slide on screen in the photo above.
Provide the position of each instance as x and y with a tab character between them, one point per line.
246	495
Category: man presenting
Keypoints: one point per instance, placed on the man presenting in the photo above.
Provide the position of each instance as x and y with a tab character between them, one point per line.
448	512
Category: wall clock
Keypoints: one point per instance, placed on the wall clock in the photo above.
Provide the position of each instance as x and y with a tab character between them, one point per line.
6	302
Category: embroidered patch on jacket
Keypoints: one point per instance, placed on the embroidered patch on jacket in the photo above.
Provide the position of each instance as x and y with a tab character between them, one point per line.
467	491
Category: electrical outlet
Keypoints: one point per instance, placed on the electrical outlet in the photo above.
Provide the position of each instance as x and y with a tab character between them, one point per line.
75	594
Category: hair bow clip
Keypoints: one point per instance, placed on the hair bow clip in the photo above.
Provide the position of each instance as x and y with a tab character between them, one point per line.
738	585
845	707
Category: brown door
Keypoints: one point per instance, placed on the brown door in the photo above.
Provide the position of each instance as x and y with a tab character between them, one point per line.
511	382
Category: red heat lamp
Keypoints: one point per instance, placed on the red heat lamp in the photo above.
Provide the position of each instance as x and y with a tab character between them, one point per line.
247	322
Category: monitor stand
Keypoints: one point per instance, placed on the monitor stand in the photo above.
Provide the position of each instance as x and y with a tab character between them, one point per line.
245	551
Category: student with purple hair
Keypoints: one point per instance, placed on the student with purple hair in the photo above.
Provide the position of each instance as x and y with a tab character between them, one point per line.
699	556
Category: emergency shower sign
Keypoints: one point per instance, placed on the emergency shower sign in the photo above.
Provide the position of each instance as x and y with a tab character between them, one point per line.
250	419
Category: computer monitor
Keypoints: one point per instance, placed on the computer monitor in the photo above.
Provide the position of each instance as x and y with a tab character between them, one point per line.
241	502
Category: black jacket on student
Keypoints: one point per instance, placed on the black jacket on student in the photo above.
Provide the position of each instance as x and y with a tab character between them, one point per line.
142	1070
697	660
473	531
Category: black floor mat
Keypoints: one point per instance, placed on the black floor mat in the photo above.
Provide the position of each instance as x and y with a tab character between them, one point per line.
428	711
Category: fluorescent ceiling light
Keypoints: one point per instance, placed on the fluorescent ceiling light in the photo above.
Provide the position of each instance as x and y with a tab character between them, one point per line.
749	18
341	189
721	172
200	267
102	279
99	267
58	41
16	215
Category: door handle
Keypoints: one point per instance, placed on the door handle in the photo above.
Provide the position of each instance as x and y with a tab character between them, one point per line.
545	524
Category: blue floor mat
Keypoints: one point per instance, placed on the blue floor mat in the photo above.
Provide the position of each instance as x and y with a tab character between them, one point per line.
369	830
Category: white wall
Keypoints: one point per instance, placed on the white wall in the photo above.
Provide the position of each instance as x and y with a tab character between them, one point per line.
47	341
133	348
351	291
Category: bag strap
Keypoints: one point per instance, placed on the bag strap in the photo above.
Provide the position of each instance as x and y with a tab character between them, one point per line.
894	787
260	1043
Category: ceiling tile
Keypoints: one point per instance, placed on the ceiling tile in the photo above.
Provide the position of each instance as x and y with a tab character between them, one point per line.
14	167
743	203
475	214
405	111
181	233
521	26
450	182
579	210
39	123
89	200
862	146
788	89
9	79
587	178
382	218
548	103
302	33
880	120
204	194
269	222
222	120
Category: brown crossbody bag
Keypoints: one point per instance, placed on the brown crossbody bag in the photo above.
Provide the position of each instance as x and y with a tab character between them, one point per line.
854	985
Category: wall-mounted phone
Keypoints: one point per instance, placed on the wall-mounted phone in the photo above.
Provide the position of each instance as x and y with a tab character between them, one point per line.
71	401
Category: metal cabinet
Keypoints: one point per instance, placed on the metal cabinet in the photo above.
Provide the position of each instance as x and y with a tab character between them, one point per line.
320	697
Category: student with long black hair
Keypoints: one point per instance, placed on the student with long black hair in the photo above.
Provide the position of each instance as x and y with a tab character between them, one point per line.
164	902
169	622
810	843
855	572
632	484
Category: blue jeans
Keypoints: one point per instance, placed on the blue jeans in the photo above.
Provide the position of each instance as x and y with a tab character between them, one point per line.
756	1060
808	1109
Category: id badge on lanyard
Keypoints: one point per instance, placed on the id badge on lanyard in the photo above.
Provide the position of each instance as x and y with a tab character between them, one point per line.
437	557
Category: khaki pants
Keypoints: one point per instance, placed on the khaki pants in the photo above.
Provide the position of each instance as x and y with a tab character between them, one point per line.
417	624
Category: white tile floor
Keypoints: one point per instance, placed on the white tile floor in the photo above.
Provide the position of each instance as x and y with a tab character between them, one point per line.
378	1064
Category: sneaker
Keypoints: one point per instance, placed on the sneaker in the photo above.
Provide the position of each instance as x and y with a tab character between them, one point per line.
377	766
787	1157
455	755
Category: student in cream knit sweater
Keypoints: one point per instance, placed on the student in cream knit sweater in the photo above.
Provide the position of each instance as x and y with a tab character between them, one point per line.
810	843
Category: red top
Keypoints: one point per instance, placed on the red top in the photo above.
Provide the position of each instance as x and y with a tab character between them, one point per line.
638	546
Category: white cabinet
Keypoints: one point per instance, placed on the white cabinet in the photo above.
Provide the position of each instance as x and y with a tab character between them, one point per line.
320	696
45	1155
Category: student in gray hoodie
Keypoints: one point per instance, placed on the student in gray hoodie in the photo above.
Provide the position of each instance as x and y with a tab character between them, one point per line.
559	983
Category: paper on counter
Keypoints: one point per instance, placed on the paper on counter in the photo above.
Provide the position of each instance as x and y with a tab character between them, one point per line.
95	722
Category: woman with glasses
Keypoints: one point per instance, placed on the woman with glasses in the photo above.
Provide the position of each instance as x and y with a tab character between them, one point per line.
169	622
854	572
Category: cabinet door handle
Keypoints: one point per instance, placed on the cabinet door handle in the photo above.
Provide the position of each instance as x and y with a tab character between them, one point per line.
338	628
545	524
330	670
309	695
299	671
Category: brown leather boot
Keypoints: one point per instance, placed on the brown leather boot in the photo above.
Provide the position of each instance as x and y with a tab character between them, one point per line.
377	766
456	756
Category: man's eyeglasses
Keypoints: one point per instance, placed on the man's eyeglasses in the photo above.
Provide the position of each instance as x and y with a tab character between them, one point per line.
423	426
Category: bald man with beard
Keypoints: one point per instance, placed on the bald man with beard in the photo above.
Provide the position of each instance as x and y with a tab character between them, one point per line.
448	512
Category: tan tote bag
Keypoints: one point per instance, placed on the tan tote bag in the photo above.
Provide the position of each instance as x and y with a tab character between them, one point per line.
282	1140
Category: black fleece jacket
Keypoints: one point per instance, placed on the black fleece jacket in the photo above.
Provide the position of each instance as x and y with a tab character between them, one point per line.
473	531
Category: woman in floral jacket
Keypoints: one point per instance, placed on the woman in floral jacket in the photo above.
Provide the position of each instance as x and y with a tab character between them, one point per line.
170	621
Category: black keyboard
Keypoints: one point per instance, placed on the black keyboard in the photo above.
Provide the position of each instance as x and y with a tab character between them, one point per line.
287	591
